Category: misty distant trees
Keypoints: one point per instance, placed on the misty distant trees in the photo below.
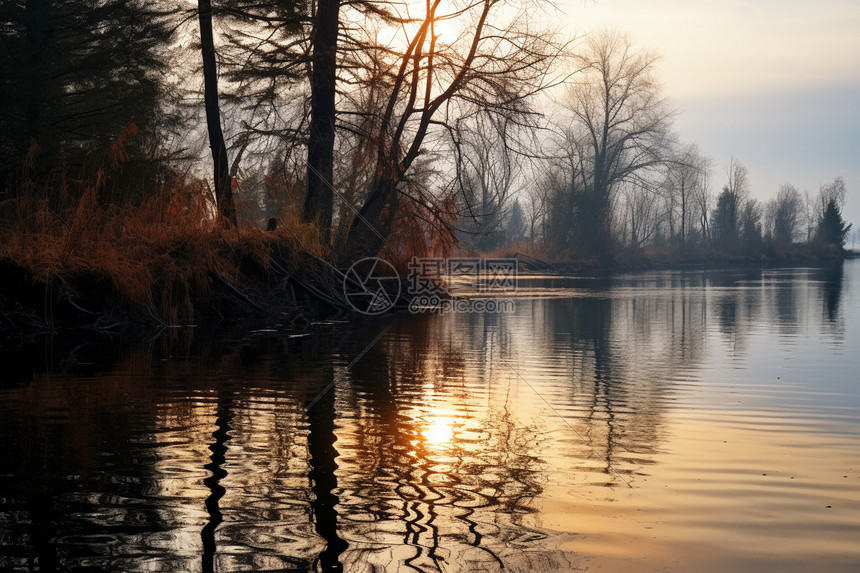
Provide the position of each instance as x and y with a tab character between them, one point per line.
619	126
785	214
487	171
684	191
741	224
724	221
732	215
792	218
621	181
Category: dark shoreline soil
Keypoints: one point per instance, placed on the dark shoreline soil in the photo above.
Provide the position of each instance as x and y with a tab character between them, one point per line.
89	303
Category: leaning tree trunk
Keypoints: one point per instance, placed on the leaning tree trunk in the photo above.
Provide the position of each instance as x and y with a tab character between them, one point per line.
223	181
373	223
319	199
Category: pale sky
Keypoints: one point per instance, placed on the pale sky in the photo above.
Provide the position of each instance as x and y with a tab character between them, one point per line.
774	83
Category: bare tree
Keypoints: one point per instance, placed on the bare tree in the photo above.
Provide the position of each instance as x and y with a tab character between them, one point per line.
486	172
517	225
815	206
809	214
540	200
640	215
686	175
783	214
726	229
738	184
359	114
493	62
560	191
265	72
620	126
702	198
834	192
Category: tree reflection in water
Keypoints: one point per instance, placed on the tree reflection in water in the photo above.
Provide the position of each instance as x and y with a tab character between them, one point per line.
213	482
430	453
322	452
433	455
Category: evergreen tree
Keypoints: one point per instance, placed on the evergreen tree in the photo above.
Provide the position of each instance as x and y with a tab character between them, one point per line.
750	227
75	74
832	228
724	221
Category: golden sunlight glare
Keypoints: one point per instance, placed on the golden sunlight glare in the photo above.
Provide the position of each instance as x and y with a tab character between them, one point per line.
439	432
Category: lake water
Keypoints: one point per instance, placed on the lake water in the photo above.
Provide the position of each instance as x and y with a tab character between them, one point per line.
671	421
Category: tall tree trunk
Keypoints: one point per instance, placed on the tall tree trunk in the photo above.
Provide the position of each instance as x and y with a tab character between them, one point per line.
373	223
38	33
319	198
223	181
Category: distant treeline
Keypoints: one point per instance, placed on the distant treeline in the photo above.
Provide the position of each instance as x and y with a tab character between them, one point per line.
367	127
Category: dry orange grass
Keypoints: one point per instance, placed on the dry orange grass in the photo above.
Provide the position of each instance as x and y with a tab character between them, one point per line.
156	255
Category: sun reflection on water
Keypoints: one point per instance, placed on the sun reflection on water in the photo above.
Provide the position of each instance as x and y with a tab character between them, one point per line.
439	432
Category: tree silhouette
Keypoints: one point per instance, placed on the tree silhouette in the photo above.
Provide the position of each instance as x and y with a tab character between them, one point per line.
619	129
495	65
319	198
223	180
832	228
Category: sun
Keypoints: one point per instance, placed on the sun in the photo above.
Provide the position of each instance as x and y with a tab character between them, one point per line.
446	27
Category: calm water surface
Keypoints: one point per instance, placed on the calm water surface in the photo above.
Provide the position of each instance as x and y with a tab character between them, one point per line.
675	421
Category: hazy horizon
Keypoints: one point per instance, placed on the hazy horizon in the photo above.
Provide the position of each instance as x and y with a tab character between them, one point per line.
773	84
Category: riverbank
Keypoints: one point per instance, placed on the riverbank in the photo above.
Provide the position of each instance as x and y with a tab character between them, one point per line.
93	267
182	292
79	265
669	258
224	279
